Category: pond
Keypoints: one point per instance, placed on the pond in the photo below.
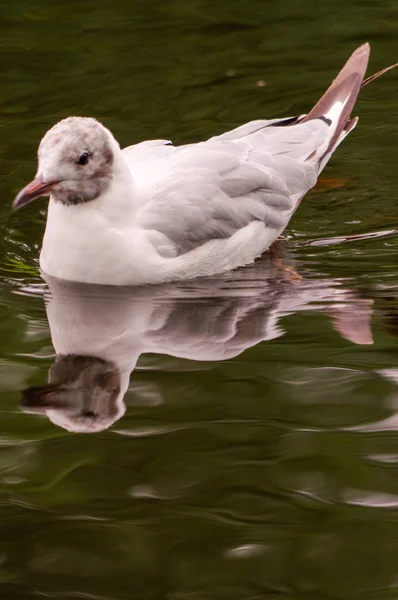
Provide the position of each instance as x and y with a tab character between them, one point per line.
245	442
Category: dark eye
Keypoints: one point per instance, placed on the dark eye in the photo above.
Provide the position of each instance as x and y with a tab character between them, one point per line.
88	413
83	159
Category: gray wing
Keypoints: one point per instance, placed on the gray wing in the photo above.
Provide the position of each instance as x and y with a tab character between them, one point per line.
199	192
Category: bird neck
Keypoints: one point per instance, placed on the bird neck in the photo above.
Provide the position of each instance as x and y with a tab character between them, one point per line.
118	204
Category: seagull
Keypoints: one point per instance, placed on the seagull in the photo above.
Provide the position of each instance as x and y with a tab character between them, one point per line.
99	333
154	212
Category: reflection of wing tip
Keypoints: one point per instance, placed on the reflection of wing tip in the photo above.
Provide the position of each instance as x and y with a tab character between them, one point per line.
362	337
353	322
363	340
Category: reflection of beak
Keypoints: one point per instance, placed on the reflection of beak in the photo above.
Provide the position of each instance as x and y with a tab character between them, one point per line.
33	190
38	398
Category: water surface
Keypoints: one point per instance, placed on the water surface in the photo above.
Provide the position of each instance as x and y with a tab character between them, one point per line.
255	451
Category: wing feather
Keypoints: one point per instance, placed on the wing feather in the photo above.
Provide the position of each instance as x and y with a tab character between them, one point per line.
210	190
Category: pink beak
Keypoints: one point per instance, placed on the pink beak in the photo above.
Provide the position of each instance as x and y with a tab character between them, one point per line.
33	190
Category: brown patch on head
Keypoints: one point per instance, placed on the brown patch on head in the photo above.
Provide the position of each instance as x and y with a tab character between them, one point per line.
108	155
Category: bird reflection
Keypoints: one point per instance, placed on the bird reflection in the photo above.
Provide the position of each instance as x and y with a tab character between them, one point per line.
82	394
99	332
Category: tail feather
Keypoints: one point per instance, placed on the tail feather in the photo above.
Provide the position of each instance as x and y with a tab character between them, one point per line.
338	101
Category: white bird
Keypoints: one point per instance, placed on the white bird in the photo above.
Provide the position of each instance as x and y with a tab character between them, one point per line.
99	333
153	212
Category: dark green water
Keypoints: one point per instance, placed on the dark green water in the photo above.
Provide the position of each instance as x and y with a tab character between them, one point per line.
269	470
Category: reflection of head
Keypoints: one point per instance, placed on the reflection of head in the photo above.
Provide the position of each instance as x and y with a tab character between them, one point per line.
83	394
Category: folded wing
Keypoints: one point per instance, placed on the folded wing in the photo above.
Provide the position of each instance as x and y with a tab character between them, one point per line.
210	190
